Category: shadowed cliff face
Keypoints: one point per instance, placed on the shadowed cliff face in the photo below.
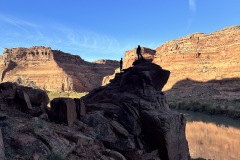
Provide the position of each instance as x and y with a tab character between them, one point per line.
228	89
52	70
80	75
8	67
220	97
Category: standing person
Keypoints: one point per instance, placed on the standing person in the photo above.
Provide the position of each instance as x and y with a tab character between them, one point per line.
139	54
121	62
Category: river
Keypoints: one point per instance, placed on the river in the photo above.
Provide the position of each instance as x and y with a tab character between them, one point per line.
212	137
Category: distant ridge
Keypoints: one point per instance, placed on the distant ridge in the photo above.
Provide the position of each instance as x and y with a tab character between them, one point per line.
52	70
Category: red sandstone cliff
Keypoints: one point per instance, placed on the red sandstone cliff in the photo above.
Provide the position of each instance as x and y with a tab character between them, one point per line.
52	70
202	57
199	57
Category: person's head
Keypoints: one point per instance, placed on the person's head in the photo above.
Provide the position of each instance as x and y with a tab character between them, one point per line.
138	45
121	58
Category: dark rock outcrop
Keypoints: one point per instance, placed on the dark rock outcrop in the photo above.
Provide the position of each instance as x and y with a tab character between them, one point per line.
127	119
26	99
23	136
132	114
63	110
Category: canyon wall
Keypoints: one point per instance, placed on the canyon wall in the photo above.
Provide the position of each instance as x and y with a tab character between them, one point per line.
202	57
199	57
52	70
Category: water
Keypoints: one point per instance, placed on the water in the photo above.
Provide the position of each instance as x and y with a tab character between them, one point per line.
212	137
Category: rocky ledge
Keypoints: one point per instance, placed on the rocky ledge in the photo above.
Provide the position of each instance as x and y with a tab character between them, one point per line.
127	119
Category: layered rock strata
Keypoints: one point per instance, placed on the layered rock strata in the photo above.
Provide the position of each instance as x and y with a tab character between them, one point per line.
52	70
199	57
202	57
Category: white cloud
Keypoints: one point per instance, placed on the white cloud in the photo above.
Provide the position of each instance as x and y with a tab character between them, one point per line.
21	24
90	40
192	5
88	44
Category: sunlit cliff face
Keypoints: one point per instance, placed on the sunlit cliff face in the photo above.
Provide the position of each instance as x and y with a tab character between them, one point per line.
200	57
52	70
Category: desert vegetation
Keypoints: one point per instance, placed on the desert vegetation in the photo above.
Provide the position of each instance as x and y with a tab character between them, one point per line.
212	141
209	106
53	95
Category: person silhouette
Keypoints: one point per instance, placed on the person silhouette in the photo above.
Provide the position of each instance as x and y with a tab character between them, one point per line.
121	62
139	54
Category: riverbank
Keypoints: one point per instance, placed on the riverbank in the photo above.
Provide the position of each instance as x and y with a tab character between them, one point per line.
230	108
212	136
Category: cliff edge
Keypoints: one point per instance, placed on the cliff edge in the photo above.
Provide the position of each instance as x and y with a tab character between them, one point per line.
52	70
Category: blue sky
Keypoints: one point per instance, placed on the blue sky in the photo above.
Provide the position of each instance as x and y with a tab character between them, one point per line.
105	29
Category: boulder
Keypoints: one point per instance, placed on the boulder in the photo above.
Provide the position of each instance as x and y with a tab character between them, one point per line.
7	91
167	135
23	100
26	99
37	97
63	110
7	86
80	107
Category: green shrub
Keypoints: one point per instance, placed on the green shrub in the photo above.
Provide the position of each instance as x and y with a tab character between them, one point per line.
53	95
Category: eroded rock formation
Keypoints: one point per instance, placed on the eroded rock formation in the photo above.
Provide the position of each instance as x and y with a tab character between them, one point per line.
52	70
198	57
127	119
131	114
202	57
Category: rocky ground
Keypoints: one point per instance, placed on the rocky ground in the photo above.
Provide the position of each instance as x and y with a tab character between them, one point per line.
127	119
